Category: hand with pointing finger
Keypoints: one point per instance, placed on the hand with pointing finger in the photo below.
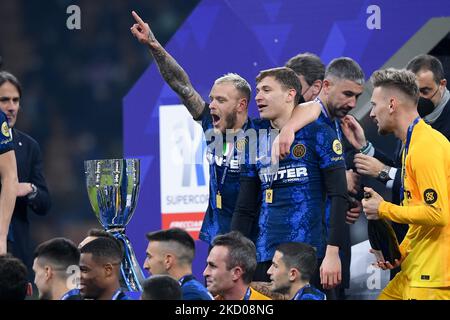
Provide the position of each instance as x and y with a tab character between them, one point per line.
142	31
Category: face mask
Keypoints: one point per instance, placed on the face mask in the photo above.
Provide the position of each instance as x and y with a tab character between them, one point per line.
304	93
425	106
301	100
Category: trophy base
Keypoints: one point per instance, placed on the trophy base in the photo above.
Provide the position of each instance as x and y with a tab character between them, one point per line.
130	270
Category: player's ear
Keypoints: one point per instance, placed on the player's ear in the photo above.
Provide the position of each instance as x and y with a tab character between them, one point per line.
29	289
326	85
316	87
392	105
294	274
169	261
108	270
237	273
242	104
292	93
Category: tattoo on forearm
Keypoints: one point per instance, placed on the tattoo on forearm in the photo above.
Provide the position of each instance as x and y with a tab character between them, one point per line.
263	287
151	37
178	80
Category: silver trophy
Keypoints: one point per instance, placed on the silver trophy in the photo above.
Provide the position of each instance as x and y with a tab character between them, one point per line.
113	188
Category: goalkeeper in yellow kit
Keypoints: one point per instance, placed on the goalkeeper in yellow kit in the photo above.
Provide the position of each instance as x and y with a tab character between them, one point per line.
425	262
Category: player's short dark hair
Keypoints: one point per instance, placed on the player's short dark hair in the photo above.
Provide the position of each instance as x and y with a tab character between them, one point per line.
161	287
98	233
308	65
427	62
241	253
178	236
345	68
13	278
286	77
9	77
300	256
103	249
400	79
61	253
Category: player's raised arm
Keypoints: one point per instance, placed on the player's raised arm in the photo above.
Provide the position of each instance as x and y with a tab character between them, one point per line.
171	71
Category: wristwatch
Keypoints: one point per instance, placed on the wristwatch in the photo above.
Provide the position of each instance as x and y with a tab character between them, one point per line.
33	192
383	175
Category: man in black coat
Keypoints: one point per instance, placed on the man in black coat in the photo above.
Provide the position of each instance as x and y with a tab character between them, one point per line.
32	189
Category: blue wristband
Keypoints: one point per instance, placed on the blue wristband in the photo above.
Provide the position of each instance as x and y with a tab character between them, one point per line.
366	148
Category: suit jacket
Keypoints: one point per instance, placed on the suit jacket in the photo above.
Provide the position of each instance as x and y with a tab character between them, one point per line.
29	169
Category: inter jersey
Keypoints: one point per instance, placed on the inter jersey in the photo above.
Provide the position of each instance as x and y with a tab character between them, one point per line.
224	172
293	195
5	135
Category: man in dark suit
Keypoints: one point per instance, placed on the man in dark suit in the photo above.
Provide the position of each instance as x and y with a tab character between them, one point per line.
32	189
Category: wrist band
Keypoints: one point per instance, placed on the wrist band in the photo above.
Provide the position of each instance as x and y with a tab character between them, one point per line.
366	148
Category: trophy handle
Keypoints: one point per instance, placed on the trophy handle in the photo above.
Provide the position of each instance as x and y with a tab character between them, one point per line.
130	270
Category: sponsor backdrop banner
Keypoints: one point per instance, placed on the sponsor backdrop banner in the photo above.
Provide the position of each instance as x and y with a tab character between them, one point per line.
184	173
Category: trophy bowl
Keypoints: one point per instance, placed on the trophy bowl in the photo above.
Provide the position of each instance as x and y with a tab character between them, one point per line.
113	189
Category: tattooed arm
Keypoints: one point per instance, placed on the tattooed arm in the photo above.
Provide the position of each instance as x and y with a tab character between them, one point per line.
264	288
171	71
